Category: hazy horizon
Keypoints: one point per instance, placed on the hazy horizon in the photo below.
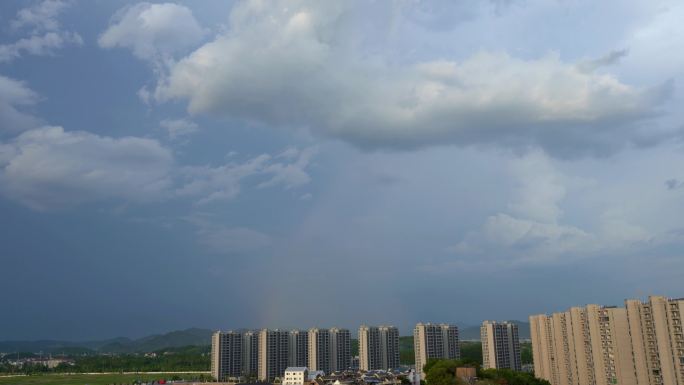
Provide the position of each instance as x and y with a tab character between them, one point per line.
222	164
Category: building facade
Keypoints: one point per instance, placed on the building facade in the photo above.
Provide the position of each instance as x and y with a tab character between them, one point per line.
585	346
658	339
329	349
640	344
434	341
250	354
226	355
299	348
319	350
340	349
500	345
378	347
273	353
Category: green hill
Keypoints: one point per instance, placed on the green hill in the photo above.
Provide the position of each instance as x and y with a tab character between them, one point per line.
179	338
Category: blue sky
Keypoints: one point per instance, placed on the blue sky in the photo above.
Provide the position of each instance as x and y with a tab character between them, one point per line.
295	164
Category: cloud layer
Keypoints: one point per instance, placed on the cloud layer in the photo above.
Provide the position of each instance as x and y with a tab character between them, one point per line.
285	66
48	167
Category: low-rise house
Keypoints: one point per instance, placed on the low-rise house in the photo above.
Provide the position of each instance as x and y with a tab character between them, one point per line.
296	376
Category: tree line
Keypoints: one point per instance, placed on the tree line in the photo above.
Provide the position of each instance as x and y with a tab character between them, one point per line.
443	372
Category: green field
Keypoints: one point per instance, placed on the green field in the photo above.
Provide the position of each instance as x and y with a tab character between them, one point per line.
89	379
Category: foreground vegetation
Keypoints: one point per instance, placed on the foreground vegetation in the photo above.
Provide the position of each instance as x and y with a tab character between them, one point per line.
94	379
443	372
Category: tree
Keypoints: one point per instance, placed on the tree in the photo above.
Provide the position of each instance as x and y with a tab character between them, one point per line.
509	377
442	372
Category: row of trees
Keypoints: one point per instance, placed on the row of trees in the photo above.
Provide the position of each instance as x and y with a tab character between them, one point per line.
443	372
135	363
180	359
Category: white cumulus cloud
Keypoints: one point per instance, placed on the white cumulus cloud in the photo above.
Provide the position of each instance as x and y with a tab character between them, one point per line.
48	167
287	65
41	45
41	17
14	96
45	36
535	230
153	31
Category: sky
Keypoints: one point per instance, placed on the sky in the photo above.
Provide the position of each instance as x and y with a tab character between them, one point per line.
216	164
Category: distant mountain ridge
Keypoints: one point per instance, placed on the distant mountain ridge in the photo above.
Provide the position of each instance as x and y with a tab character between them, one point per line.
173	339
178	338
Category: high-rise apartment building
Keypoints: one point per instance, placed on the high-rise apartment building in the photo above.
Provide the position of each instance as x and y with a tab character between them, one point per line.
340	349
265	354
299	348
329	349
640	344
250	353
378	347
657	340
500	345
319	350
584	346
434	341
226	355
389	347
273	353
369	348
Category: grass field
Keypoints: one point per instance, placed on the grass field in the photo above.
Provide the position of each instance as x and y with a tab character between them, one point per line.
83	379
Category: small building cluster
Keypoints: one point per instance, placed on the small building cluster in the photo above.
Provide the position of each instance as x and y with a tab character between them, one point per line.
49	362
348	377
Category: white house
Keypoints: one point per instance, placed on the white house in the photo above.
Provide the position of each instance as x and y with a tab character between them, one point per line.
296	376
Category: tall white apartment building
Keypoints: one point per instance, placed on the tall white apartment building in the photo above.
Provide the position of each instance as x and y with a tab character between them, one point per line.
273	353
226	355
500	345
434	341
378	347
